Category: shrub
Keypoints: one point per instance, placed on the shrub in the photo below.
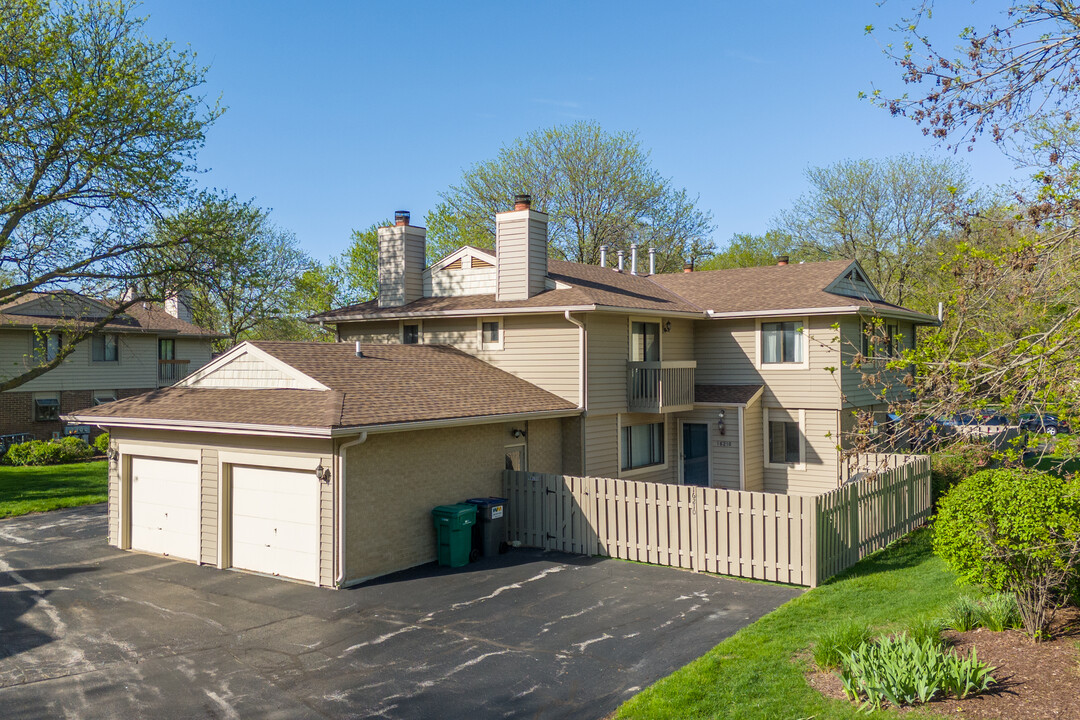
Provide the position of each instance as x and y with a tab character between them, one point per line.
101	443
905	672
999	612
839	640
962	614
51	452
1015	531
951	465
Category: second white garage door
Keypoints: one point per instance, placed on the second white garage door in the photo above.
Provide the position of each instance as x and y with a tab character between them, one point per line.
275	521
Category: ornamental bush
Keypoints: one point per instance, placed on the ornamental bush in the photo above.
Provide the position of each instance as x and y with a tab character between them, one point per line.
1015	531
101	443
48	452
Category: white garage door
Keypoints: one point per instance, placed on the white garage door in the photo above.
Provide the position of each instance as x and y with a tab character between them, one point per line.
275	521
165	507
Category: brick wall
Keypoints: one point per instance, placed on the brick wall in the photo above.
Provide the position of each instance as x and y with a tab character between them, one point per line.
17	410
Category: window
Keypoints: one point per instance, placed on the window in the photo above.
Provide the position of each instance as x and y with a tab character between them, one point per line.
784	443
166	349
491	335
46	408
881	341
410	334
105	348
782	342
104	396
642	445
46	346
645	341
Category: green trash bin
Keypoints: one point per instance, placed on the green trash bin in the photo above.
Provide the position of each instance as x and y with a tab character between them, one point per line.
453	532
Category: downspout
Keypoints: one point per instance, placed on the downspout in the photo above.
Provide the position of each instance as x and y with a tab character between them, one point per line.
742	449
339	539
583	385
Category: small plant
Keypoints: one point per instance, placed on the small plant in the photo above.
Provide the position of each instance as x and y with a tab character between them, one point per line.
48	452
925	628
839	640
901	671
101	443
962	614
999	612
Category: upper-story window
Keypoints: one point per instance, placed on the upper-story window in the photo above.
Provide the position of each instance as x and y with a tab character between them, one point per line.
644	341
783	343
166	349
491	334
46	346
881	340
105	348
410	333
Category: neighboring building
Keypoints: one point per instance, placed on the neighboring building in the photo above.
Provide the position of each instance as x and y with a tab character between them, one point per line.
143	349
321	462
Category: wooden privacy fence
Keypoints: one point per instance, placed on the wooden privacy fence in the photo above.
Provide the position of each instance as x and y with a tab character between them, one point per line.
797	539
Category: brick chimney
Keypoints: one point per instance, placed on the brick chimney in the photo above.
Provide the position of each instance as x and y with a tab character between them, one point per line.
402	248
521	251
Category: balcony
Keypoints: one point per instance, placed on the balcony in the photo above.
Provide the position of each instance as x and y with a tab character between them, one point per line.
659	387
170	372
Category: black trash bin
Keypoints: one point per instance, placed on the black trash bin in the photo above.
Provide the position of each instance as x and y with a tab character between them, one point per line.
489	533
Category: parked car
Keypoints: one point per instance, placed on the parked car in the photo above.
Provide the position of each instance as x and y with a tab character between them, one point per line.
1043	423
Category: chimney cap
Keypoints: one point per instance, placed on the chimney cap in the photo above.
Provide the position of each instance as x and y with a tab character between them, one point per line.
401	217
522	201
781	259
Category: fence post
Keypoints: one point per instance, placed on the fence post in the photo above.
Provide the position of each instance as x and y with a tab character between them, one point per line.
811	541
697	536
852	555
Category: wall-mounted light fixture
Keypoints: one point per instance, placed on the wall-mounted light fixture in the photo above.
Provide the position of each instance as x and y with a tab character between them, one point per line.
518	433
322	473
667	326
720	424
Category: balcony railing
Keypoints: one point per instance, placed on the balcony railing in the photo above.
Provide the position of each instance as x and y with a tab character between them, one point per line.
657	387
170	372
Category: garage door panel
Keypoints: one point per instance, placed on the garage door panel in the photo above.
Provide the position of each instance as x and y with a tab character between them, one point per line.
165	507
275	521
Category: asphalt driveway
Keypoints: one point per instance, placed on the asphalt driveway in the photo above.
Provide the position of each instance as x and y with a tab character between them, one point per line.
88	631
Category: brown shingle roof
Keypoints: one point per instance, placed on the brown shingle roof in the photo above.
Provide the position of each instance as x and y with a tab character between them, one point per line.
142	318
725	394
390	384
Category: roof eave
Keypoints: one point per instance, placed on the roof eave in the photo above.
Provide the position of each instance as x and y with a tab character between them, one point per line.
835	310
455	421
199	426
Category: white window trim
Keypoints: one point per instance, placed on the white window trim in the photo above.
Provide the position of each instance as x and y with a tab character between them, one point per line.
485	346
666	419
630	334
801	465
419	330
759	349
709	425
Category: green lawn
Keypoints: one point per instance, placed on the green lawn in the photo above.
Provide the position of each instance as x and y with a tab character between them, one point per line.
1058	465
37	489
758	672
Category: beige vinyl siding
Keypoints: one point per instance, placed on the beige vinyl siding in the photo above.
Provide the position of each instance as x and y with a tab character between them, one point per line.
602	446
724	449
247	371
114	498
858	392
401	265
456	332
540	349
608	353
512	274
538	255
137	367
677	344
668	472
727	350
821	431
209	506
375	332
193	349
209	446
754	450
394	480
454	282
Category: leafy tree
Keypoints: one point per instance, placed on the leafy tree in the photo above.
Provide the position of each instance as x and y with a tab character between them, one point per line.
883	213
746	250
98	130
599	189
356	270
1016	531
259	266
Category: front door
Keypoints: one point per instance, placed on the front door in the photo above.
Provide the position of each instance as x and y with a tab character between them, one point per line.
695	452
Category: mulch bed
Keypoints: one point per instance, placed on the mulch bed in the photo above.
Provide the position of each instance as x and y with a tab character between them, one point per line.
1034	680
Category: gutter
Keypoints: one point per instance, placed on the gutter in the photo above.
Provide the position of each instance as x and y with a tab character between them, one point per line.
837	310
339	505
474	312
201	426
453	422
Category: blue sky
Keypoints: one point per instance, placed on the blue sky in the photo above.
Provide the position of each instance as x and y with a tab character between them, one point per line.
340	113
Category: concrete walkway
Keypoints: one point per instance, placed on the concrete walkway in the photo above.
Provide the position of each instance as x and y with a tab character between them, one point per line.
88	631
